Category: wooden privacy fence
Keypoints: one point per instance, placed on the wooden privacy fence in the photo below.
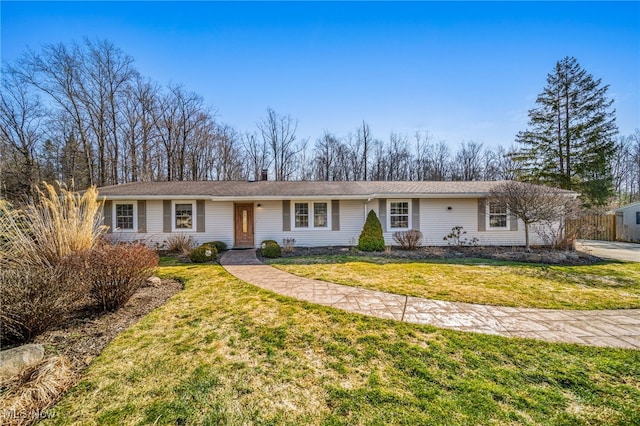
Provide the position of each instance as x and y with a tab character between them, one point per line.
593	227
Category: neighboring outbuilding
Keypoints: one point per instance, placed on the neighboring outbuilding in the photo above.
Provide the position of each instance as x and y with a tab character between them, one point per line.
243	214
628	222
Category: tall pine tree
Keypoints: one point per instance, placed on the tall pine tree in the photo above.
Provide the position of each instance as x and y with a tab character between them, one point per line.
570	142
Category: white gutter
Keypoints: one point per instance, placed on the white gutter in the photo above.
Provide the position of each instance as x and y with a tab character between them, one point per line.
293	197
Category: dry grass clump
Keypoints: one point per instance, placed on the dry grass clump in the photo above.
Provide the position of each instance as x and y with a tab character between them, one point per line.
25	397
51	226
179	243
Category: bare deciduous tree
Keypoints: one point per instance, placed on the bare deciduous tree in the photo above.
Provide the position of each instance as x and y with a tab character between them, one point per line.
532	203
363	135
21	116
279	134
468	162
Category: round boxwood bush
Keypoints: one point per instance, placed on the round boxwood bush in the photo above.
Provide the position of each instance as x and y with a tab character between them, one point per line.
204	253
219	245
271	249
371	238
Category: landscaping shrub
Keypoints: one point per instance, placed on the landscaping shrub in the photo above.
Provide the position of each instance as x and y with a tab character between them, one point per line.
371	238
288	244
408	240
113	273
54	224
33	299
271	249
204	253
457	238
219	245
179	243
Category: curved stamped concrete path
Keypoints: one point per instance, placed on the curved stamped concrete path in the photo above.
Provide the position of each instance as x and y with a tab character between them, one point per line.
611	328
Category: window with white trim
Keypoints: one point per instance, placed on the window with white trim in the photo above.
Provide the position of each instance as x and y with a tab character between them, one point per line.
399	214
498	215
183	216
301	214
124	214
320	218
310	215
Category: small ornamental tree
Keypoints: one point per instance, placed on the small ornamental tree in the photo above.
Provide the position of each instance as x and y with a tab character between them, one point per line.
532	203
371	238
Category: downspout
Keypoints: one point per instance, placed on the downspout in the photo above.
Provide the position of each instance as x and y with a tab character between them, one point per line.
366	207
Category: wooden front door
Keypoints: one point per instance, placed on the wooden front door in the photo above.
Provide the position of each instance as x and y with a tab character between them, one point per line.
244	225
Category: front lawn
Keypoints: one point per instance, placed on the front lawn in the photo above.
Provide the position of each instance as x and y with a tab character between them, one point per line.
225	352
607	285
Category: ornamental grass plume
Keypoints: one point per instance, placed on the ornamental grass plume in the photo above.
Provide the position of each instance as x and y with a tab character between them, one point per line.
52	225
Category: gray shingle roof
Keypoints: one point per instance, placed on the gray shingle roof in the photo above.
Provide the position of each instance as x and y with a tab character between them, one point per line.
293	189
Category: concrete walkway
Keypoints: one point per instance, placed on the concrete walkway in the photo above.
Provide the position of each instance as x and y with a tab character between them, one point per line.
610	249
612	328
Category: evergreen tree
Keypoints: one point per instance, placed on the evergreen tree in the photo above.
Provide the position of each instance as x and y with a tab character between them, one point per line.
570	142
371	238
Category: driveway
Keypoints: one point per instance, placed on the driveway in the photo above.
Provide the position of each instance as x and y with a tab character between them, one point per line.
610	249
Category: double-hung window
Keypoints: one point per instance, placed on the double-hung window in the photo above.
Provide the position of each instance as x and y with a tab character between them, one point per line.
302	215
183	216
124	216
399	214
320	217
497	215
310	215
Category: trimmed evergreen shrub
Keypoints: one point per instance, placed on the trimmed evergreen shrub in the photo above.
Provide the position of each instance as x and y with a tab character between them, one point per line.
371	238
204	253
219	245
271	249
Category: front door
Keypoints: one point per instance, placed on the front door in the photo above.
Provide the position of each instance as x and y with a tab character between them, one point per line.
244	225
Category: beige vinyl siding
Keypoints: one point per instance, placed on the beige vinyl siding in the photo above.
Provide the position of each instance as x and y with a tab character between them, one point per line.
218	226
268	221
436	221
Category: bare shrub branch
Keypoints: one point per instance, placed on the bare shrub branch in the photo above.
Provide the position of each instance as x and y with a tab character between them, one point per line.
408	240
113	273
34	299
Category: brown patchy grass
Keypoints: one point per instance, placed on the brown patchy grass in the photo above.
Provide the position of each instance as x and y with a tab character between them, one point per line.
224	352
607	285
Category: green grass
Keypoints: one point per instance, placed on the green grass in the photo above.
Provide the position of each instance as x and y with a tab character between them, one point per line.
224	352
607	285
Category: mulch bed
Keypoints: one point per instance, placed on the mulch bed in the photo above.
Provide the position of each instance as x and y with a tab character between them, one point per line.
69	349
516	254
89	330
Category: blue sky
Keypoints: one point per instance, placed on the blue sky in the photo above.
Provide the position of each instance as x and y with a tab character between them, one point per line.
461	71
